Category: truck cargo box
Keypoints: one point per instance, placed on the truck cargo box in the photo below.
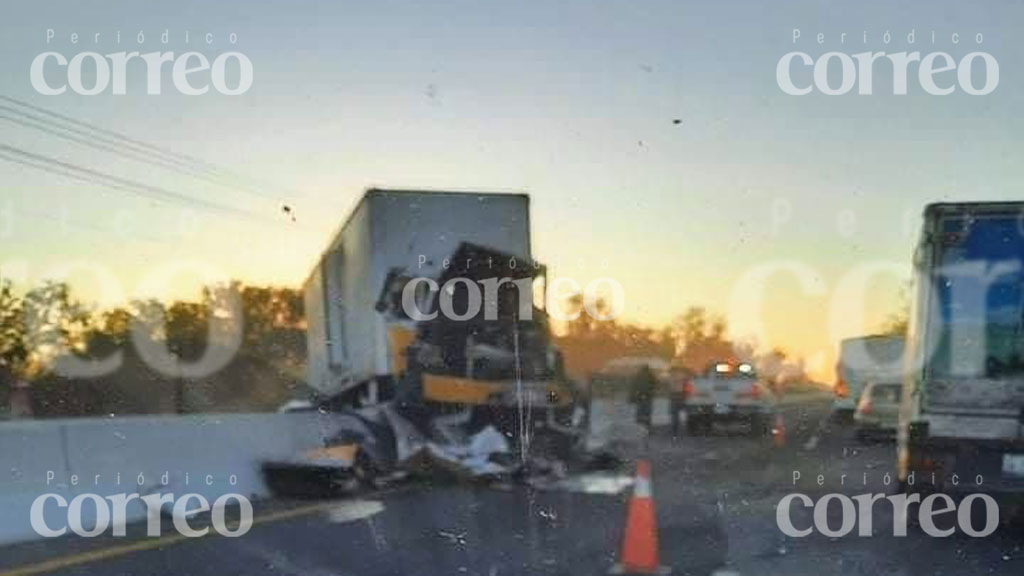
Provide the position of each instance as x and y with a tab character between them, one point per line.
388	230
962	407
970	338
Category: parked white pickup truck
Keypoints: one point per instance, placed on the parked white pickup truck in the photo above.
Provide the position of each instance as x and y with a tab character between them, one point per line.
728	392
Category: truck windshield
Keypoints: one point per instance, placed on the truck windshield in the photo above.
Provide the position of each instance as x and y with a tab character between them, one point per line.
979	293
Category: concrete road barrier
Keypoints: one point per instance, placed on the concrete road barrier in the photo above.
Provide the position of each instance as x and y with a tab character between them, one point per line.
607	412
209	454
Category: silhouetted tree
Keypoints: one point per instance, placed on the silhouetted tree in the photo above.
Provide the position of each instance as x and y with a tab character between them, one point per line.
701	340
13	348
260	375
898	321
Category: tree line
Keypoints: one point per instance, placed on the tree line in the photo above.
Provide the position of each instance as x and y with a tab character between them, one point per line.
690	342
47	327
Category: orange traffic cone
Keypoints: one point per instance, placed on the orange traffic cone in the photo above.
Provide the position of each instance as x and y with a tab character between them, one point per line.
779	431
640	542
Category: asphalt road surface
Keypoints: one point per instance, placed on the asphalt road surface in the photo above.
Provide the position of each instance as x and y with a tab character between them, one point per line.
715	497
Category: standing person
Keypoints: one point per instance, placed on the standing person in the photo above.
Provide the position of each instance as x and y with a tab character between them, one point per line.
680	379
643	394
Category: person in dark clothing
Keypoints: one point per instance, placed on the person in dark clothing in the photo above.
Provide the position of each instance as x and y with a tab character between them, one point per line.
680	379
643	394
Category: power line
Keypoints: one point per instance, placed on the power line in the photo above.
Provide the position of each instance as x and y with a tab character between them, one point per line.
68	169
143	151
110	133
36	120
101	146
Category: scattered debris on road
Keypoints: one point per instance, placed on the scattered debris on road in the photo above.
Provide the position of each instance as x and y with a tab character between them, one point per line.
386	443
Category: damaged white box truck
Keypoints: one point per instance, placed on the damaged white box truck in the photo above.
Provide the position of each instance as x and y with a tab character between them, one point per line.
364	344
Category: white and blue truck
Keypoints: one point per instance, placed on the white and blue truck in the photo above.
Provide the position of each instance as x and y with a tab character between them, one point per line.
961	421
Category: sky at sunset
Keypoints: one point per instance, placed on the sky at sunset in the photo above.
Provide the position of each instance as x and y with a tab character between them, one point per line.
574	103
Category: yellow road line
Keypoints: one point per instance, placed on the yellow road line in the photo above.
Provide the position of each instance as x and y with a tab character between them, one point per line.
149	544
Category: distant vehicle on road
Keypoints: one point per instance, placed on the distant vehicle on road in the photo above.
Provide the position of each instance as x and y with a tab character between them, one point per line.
728	392
962	411
878	410
863	360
